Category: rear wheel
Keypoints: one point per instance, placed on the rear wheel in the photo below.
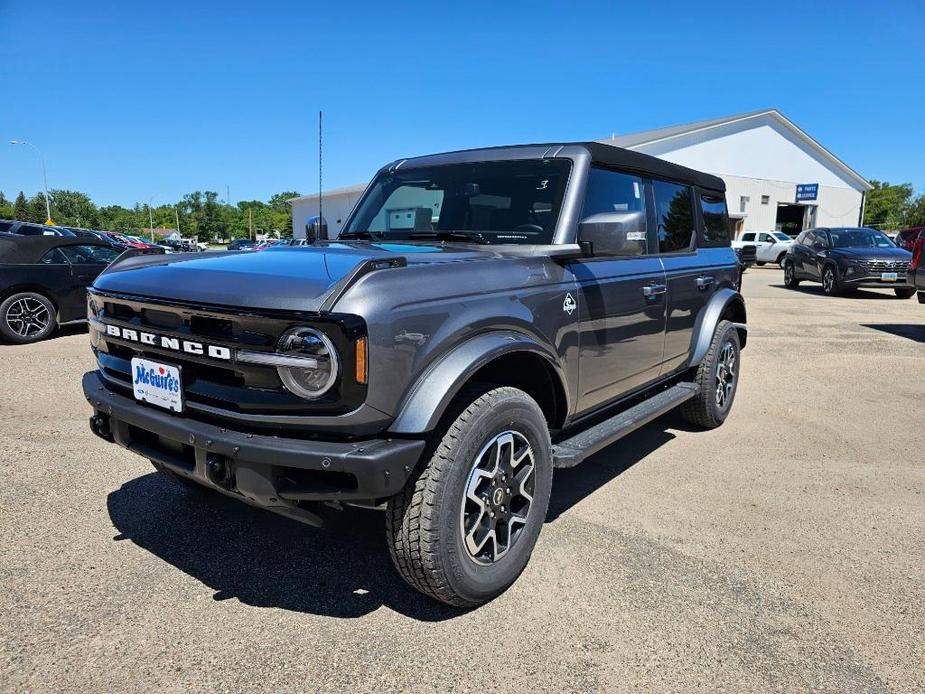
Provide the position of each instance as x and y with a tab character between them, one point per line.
27	317
790	275
904	292
463	528
759	263
717	377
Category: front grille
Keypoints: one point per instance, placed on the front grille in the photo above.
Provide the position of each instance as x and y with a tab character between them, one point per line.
878	266
231	386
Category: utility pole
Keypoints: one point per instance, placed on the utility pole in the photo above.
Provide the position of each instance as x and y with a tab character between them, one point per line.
177	213
250	222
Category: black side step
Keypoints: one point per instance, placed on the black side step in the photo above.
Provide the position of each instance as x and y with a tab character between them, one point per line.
570	452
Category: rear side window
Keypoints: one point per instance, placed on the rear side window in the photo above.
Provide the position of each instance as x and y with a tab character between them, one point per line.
674	217
5	226
716	229
93	255
53	257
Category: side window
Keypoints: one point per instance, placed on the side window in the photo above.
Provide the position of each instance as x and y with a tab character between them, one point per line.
89	255
765	238
748	237
716	228
6	226
673	212
612	196
53	257
802	238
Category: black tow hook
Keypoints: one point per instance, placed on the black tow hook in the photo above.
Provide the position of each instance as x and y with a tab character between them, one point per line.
219	471
99	425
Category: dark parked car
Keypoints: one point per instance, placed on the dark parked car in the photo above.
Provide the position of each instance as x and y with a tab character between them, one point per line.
242	245
907	237
846	258
11	226
916	276
43	281
484	317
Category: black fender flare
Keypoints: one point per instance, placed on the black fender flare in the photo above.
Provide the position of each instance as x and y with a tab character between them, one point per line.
425	403
710	317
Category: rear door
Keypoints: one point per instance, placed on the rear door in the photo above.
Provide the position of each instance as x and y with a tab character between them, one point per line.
677	248
622	300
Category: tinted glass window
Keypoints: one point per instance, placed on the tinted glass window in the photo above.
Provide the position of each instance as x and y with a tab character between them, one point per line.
492	202
860	238
53	257
765	238
29	230
6	226
675	221
716	228
748	237
84	255
618	196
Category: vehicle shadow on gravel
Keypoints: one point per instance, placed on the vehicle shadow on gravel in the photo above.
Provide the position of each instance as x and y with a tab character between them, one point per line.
265	560
343	570
816	289
911	331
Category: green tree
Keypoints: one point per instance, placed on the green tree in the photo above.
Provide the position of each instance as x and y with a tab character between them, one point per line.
36	211
916	214
74	208
887	205
20	207
6	207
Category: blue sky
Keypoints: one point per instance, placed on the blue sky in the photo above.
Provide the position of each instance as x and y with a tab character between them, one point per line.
134	100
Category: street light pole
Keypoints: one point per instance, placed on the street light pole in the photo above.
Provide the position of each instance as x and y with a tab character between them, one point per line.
48	219
151	218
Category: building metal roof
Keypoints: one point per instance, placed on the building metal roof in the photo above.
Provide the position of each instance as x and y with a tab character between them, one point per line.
639	140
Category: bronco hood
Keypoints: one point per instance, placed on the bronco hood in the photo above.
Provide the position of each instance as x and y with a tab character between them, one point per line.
294	278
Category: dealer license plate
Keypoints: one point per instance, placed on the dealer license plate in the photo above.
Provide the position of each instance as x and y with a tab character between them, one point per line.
889	276
158	384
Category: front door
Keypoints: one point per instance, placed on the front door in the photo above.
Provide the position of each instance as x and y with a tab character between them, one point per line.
621	300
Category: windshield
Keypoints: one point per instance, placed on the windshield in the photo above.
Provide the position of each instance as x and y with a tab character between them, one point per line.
486	202
860	238
782	237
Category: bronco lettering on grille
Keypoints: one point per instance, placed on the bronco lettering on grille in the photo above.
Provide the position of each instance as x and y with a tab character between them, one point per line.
172	343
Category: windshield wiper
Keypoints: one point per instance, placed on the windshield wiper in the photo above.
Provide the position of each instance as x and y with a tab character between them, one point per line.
371	235
475	236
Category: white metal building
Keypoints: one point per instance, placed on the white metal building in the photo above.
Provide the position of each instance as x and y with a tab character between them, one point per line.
777	176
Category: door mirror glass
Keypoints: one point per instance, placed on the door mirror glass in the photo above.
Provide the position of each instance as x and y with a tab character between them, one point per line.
316	229
614	233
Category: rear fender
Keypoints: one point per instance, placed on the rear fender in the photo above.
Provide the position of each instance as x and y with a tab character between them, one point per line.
725	304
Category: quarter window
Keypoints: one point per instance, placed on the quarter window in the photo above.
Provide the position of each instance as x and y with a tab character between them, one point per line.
675	221
53	257
715	220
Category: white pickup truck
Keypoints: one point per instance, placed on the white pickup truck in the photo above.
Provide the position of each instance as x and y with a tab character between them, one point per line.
770	246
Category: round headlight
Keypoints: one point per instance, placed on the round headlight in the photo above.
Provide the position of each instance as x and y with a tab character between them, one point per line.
320	371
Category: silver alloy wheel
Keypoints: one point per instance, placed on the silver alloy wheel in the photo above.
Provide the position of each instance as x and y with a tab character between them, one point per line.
828	280
788	273
725	374
27	317
497	497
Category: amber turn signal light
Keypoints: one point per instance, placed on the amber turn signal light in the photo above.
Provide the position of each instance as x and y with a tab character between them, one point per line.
360	360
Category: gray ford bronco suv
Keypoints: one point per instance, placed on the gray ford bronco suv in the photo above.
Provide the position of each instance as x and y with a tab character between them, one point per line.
484	317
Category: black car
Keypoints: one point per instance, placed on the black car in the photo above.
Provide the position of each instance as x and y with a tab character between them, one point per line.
242	245
846	258
12	226
43	282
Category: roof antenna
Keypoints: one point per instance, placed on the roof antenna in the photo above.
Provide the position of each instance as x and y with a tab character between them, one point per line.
320	217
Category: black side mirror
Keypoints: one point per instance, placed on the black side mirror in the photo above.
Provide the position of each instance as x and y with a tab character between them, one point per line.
316	229
614	234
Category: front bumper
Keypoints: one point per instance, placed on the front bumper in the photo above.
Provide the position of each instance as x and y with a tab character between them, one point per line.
279	474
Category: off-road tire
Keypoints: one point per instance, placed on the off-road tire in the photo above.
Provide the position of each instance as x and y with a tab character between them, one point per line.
11	332
790	275
703	410
760	263
904	292
423	521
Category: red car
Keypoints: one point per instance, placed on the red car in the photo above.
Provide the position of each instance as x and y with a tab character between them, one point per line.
906	238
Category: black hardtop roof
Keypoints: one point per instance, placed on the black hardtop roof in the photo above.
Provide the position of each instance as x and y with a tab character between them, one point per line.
607	155
15	249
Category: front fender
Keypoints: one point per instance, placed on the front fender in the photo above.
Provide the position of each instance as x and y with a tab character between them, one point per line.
723	302
427	400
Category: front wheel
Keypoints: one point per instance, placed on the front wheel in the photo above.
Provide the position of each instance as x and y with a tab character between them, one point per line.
463	528
830	284
717	377
904	292
790	275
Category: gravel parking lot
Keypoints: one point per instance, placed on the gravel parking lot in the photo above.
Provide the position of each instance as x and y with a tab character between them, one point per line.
784	551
